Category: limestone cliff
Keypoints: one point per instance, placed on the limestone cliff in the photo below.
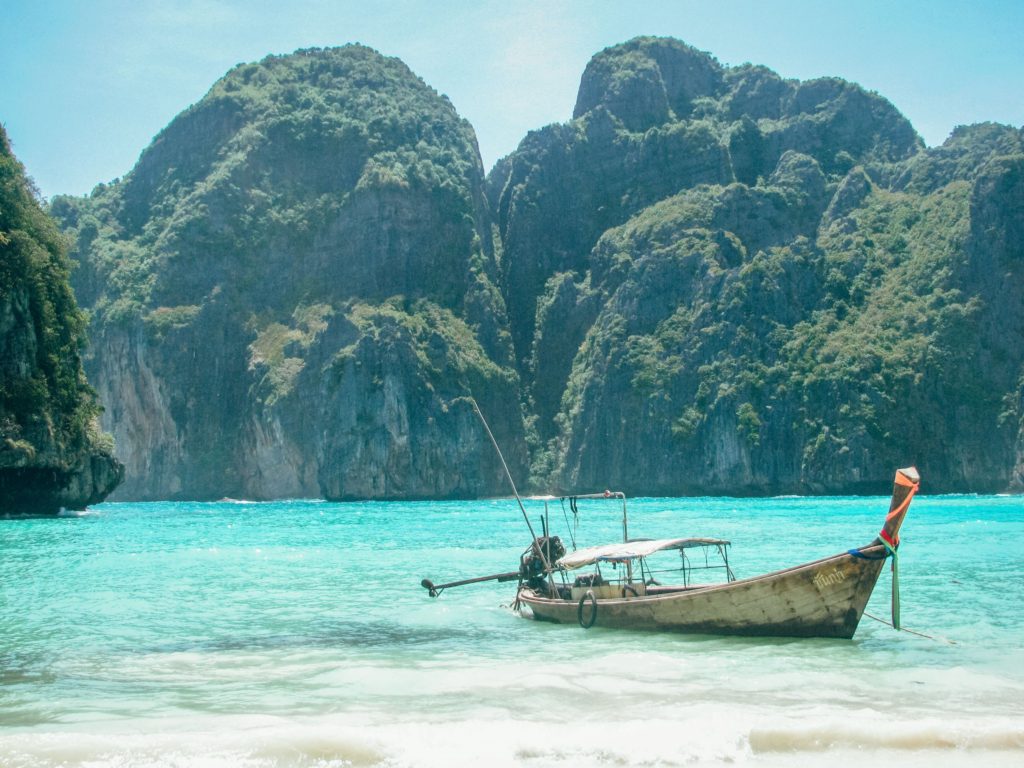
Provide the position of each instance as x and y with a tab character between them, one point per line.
721	281
293	292
654	117
711	280
52	454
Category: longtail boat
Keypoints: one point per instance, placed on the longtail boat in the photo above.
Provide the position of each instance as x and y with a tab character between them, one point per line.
623	586
822	598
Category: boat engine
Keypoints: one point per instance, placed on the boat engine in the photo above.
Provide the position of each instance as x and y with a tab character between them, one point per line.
531	564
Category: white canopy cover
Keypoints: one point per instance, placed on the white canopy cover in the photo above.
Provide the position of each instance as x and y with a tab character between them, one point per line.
622	551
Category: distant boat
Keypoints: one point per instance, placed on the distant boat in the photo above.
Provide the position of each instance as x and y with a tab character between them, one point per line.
625	589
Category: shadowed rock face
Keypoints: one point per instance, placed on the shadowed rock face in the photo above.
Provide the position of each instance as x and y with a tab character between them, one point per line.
711	280
293	293
51	453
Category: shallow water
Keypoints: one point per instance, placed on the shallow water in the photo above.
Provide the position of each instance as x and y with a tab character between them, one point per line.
296	634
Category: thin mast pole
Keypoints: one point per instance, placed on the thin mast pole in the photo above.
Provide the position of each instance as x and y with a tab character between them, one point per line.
508	474
625	524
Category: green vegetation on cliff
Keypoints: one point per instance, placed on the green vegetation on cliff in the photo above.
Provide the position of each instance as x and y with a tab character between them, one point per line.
49	439
760	285
653	117
711	280
230	266
275	160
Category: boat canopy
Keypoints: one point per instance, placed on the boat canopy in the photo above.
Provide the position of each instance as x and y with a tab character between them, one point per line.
630	550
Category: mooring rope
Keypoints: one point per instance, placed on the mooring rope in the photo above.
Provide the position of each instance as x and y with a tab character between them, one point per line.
911	631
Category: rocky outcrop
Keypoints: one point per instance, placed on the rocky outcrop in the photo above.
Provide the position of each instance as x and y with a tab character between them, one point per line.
737	351
711	280
293	293
825	301
52	454
655	117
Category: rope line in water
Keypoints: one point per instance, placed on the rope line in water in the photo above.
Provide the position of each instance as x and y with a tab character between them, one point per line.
911	631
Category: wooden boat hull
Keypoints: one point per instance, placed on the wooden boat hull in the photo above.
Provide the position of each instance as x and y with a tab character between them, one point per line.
824	598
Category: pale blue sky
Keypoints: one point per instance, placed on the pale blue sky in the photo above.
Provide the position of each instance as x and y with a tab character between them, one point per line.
85	86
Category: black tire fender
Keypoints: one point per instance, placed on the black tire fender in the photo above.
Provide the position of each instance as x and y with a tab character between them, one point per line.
593	609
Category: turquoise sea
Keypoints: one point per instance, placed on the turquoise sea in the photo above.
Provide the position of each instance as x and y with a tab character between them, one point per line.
296	634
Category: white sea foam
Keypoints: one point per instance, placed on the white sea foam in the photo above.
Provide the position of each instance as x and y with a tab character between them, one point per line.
717	737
